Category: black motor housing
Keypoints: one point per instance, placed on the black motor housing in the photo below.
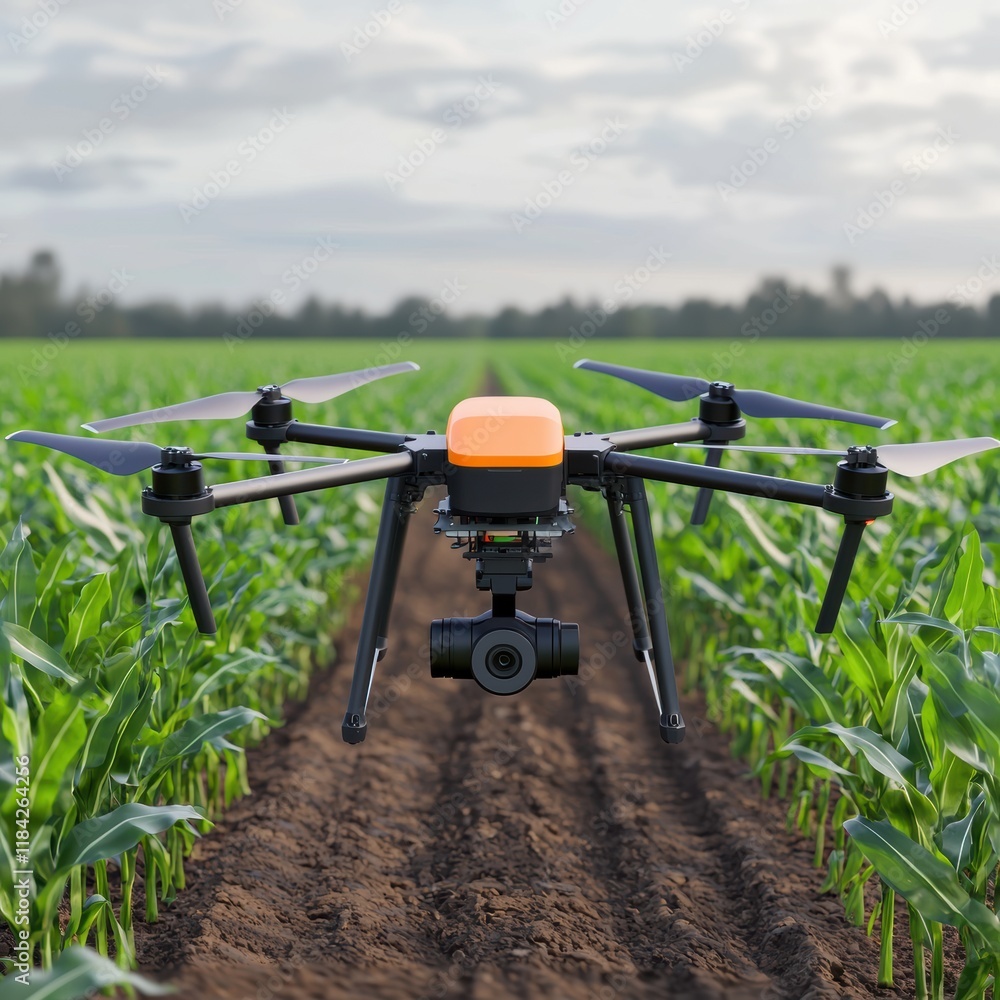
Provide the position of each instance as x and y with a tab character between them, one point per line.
503	654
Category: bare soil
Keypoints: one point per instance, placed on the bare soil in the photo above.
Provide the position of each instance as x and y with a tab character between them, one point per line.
543	845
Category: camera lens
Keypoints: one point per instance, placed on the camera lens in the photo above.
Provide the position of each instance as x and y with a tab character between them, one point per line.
503	661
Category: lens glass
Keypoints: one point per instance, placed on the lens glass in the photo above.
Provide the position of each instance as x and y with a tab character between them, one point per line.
503	661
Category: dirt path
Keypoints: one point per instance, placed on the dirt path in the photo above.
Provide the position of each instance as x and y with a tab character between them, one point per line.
545	845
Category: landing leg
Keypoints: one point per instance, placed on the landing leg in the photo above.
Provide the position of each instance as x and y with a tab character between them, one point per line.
396	510
289	513
641	643
671	722
713	460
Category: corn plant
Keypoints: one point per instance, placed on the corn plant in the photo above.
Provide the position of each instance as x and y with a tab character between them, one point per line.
122	730
880	733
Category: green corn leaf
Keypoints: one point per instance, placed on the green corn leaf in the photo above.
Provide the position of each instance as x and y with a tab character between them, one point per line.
887	761
973	979
78	973
60	736
951	774
39	654
85	618
17	564
816	760
916	618
808	687
956	838
882	756
967	592
189	739
925	881
225	670
113	751
864	663
119	830
973	704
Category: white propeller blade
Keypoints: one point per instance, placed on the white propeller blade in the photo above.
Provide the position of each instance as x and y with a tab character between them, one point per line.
914	459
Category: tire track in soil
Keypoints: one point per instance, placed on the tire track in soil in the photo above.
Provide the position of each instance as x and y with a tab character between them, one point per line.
547	844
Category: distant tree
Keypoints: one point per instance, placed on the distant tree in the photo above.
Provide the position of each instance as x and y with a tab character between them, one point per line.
31	306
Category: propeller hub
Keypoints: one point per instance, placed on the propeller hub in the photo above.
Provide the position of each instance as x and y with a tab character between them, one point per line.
175	456
717	406
270	393
864	457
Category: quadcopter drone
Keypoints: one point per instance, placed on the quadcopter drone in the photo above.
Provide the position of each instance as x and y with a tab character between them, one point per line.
506	462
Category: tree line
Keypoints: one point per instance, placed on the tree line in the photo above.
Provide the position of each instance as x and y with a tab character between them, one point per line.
32	304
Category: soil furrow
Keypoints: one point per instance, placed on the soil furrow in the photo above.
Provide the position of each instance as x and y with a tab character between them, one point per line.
658	857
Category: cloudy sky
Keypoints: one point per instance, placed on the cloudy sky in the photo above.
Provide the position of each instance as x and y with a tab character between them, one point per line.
519	150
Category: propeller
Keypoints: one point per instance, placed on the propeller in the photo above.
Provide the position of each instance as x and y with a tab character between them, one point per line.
753	402
914	459
125	458
228	405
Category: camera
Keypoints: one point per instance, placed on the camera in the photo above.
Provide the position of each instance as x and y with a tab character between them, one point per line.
504	654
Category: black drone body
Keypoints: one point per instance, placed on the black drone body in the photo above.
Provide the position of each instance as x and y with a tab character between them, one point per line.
507	465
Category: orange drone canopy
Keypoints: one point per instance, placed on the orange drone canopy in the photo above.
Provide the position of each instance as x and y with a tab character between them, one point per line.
521	431
505	455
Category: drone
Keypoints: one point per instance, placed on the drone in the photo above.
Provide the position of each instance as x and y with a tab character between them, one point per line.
506	463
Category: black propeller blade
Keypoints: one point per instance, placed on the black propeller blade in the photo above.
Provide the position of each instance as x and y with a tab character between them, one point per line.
125	458
229	405
753	402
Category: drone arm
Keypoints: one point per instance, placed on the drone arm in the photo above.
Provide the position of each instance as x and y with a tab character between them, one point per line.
361	470
187	558
651	437
344	437
688	474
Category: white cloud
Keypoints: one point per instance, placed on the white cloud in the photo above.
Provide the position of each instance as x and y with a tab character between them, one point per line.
689	127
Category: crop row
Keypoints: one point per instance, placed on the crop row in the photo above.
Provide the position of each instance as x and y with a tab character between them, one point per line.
886	732
121	728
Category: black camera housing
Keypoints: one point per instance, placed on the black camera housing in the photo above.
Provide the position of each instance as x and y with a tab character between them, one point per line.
503	654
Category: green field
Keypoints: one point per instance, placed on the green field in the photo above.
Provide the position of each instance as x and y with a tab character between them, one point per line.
132	723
